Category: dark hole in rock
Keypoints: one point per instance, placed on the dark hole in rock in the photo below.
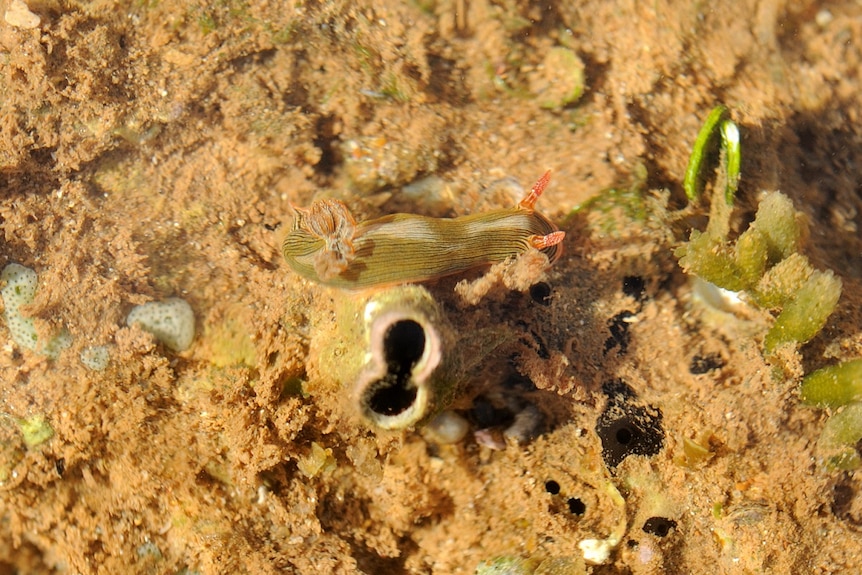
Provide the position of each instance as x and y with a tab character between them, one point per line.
842	499
485	414
403	346
626	428
552	487
392	397
624	435
541	293
576	506
701	364
659	526
634	286
620	336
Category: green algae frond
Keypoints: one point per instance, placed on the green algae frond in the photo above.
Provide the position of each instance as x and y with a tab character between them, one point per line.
563	80
804	315
715	123
36	430
841	433
838	387
764	262
833	386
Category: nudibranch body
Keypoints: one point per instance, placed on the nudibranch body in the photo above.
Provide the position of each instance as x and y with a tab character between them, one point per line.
327	246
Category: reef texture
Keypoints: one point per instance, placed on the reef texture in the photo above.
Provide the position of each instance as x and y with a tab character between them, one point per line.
153	149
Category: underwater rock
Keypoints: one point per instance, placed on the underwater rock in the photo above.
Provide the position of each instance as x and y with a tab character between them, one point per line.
172	322
20	290
96	357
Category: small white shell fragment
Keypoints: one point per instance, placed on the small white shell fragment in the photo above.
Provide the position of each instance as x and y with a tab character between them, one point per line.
447	428
20	16
716	297
526	426
172	322
490	438
597	551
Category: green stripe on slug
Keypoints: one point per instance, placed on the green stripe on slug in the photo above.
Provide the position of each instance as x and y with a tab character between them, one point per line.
327	246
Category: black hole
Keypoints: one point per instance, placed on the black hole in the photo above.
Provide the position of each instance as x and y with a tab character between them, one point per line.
633	286
626	428
620	336
576	506
624	435
60	466
552	487
485	414
701	364
842	500
403	346
659	526
392	398
325	142
541	293
617	390
519	383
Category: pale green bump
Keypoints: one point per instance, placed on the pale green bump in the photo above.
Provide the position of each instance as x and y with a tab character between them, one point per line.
506	566
833	386
751	256
36	430
563	82
96	357
803	317
19	290
841	433
776	218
